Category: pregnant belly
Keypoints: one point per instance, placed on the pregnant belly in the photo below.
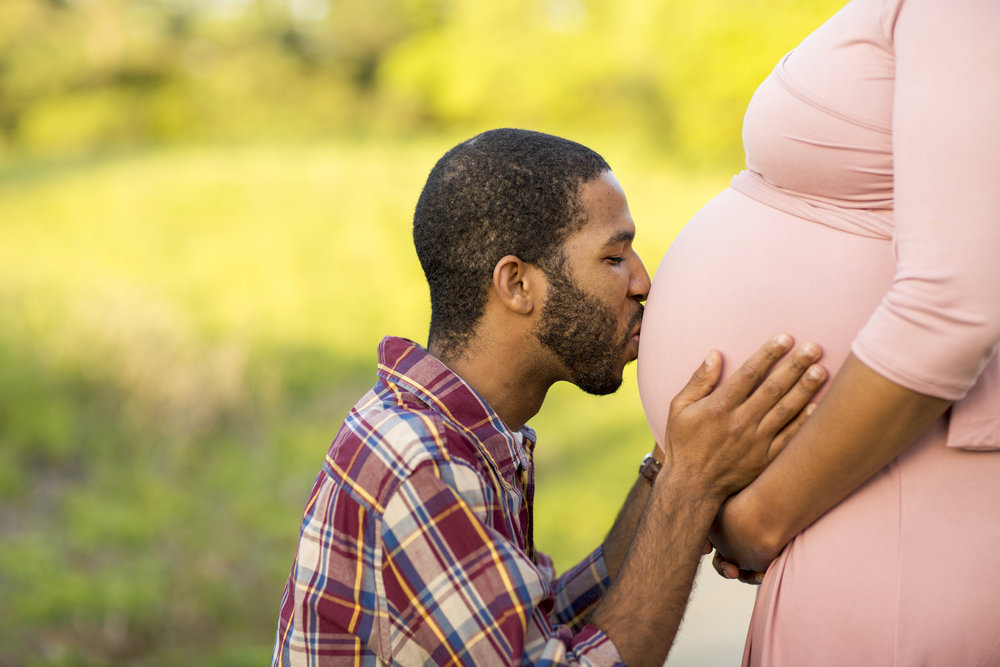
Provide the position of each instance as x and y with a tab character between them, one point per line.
739	273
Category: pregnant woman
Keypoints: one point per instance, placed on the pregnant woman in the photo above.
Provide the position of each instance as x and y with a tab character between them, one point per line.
868	219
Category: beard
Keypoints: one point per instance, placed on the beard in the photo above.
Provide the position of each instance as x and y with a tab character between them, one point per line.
583	333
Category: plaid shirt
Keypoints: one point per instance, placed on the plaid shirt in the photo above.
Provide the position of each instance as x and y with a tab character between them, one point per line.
415	546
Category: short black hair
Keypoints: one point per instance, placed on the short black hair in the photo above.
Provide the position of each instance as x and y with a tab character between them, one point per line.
502	192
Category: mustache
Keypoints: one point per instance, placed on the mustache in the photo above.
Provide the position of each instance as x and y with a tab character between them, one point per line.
633	322
637	318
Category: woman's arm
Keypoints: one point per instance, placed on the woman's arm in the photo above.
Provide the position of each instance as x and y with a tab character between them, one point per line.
863	423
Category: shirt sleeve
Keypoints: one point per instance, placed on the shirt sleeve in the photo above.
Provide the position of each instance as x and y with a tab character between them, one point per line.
938	325
578	590
459	592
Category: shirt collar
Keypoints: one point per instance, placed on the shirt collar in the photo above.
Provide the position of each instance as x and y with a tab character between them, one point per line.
409	365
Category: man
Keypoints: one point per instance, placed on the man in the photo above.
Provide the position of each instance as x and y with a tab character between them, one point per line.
416	544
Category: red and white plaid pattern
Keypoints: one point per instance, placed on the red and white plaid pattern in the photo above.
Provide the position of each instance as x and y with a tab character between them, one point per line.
415	544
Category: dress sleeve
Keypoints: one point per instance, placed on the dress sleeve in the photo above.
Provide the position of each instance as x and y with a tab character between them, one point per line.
459	592
939	324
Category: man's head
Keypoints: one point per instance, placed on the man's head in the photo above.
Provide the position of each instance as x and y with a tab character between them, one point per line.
503	192
554	205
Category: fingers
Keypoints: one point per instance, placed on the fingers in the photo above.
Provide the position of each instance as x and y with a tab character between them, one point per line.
701	383
734	390
729	570
786	391
725	569
781	440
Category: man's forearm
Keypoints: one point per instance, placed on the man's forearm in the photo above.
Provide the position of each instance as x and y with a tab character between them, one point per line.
620	536
644	607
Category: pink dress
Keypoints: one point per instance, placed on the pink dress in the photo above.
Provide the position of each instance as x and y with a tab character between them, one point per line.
868	220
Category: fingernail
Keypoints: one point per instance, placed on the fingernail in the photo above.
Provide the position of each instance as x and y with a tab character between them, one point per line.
811	408
812	349
783	340
815	373
710	359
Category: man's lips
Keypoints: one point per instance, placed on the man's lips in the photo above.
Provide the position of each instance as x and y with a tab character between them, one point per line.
636	329
634	338
637	322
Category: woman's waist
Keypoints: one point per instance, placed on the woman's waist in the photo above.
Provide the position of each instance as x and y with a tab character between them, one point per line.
845	216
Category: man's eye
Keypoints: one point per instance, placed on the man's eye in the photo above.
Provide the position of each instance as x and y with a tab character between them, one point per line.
615	260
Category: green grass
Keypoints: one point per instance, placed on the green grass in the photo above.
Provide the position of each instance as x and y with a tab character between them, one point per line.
181	331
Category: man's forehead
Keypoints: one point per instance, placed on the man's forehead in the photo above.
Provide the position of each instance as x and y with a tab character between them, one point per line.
607	218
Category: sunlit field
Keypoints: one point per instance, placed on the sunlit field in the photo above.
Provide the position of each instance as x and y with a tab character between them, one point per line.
205	214
181	332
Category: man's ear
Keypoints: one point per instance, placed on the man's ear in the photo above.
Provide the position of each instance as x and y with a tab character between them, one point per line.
518	284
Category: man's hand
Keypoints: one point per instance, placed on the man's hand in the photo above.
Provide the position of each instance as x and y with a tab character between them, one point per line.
730	570
724	437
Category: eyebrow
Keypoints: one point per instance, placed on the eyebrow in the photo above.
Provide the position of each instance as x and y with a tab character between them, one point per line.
623	236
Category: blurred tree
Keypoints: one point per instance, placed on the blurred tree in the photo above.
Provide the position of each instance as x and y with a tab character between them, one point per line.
677	71
79	75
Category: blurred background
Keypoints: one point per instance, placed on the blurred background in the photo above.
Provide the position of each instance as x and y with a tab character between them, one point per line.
205	231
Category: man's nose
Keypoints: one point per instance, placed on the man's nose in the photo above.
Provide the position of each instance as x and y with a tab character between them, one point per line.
640	283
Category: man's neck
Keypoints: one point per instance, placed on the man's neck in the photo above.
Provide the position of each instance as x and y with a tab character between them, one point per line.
509	383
